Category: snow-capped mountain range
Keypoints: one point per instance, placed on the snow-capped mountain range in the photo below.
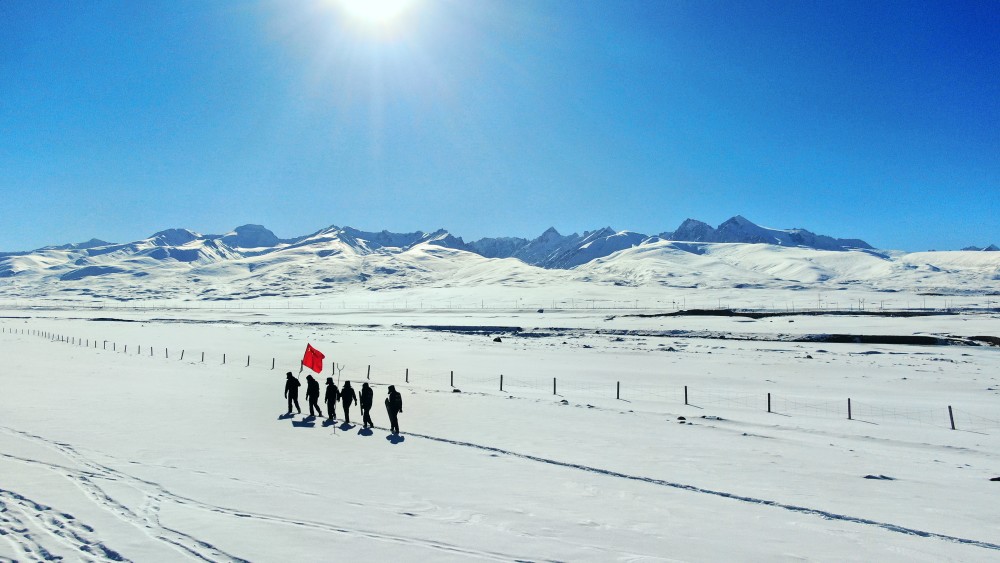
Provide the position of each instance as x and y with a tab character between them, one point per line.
252	262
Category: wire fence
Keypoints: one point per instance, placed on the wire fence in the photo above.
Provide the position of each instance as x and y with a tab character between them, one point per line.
940	417
791	405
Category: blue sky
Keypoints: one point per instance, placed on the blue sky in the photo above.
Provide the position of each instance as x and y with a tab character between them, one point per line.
877	120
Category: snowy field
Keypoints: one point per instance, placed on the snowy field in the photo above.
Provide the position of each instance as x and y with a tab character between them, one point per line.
108	453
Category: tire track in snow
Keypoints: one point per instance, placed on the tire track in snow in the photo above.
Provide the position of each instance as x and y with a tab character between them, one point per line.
156	494
16	532
64	528
147	520
733	496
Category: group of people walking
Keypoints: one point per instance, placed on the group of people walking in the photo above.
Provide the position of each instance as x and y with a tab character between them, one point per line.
346	396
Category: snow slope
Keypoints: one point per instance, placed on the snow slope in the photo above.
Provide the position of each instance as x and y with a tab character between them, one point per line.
108	454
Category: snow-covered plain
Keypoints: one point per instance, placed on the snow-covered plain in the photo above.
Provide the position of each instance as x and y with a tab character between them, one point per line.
108	454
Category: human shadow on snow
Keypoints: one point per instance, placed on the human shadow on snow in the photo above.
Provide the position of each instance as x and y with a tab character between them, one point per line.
286	416
394	438
365	432
307	422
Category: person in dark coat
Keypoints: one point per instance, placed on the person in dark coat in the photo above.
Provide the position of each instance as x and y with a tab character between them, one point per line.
331	397
312	395
292	392
348	396
367	398
394	405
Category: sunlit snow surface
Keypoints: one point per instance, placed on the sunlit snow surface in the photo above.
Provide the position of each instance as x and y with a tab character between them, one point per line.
145	456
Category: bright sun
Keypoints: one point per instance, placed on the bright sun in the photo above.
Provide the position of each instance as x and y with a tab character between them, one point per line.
375	11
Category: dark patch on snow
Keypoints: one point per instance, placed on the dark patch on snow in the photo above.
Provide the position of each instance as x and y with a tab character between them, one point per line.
90	271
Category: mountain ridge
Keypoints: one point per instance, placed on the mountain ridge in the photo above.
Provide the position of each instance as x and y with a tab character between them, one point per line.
549	250
251	262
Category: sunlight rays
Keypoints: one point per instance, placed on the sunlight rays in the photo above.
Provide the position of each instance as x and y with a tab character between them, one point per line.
375	12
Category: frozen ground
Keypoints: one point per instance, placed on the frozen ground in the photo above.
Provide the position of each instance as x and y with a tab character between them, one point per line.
141	455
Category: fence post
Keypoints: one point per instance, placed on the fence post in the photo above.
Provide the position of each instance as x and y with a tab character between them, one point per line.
951	416
849	409
140	350
618	389
182	354
553	386
150	351
248	360
369	374
407	375
223	358
126	349
769	402
166	352
685	394
272	363
453	378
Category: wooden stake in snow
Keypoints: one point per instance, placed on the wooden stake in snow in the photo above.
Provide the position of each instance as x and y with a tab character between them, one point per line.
951	416
849	409
768	402
407	375
685	394
369	374
618	389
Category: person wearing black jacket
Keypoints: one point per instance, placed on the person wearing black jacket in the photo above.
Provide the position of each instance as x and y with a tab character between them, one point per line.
367	397
331	397
348	396
394	405
312	395
292	392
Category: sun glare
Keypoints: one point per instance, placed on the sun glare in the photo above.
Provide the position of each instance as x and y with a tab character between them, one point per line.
375	12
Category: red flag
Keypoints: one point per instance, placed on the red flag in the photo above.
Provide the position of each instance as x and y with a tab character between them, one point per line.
313	359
